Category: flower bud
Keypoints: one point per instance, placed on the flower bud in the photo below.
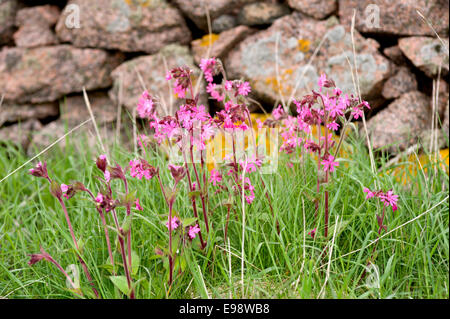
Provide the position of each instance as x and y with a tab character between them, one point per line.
40	170
102	162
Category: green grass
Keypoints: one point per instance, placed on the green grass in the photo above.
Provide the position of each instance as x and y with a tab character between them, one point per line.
412	261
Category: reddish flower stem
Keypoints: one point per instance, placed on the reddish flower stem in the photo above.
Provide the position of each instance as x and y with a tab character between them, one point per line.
82	262
125	265
105	228
54	262
170	245
202	197
129	232
194	205
379	233
318	173
326	181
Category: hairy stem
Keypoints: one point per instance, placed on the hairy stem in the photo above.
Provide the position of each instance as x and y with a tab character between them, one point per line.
82	262
105	228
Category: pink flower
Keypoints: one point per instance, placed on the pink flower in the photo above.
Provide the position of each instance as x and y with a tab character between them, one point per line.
278	112
177	172
329	164
250	198
370	194
175	223
207	66
335	108
357	113
244	88
145	105
38	257
140	168
337	91
333	126
107	176
65	188
249	187
322	80
251	164
99	198
212	90
138	206
193	231
179	89
389	199
228	85
259	124
40	170
312	233
102	162
215	177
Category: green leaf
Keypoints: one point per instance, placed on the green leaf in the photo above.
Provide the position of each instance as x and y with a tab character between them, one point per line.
126	226
108	267
188	221
81	244
194	194
121	283
175	244
135	262
55	189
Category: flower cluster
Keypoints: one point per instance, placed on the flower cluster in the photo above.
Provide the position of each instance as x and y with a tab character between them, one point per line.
387	198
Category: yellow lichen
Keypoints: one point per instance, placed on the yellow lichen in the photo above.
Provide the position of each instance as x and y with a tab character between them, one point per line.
142	3
208	39
303	45
282	87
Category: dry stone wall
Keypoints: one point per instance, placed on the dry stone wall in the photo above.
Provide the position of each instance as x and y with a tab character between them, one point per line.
51	50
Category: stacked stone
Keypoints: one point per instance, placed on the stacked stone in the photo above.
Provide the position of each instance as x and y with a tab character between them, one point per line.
116	48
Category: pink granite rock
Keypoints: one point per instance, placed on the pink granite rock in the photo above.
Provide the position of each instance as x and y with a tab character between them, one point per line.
221	44
426	54
318	9
12	113
398	126
74	109
44	15
20	134
8	10
35	26
261	13
395	55
396	17
402	82
123	25
29	36
48	73
254	59
152	69
196	9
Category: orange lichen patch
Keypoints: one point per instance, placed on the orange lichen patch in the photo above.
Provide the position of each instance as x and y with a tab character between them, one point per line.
281	86
303	45
421	164
209	39
221	146
143	3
